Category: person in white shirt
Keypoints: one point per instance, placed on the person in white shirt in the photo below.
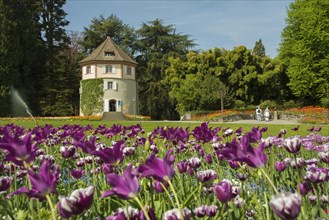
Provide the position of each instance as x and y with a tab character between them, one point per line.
267	114
259	113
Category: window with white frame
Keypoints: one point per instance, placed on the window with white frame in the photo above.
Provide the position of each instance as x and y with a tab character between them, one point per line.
88	69
109	85
128	70
109	69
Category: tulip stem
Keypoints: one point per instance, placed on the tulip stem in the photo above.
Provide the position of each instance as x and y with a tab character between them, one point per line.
269	180
52	209
165	189
142	207
176	198
27	166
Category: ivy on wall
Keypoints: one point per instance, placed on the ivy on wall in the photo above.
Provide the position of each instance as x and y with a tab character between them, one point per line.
92	96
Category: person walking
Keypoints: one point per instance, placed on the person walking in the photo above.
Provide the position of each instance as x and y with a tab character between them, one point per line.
259	113
267	114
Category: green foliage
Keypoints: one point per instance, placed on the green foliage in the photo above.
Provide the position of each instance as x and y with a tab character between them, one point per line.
21	51
100	28
292	104
259	48
62	98
249	77
325	102
157	42
305	48
92	96
268	103
237	104
187	95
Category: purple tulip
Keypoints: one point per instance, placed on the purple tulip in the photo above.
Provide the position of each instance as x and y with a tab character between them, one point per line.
292	145
316	176
295	128
286	205
208	158
205	134
125	213
5	183
107	168
87	146
194	162
174	214
182	166
223	191
206	175
157	186
304	188
238	132
77	173
324	156
159	169
112	155
200	211
77	203
234	164
280	166
19	150
312	198
238	201
125	186
227	132
318	128
324	198
244	152
67	151
205	210
150	213
242	176
43	183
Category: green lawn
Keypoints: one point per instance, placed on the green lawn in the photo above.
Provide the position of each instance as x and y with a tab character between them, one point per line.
273	129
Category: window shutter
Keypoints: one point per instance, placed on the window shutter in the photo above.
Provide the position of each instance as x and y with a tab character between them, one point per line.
84	70
93	69
106	105
115	86
105	85
104	69
113	69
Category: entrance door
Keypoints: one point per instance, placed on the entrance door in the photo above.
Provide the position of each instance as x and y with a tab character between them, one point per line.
113	104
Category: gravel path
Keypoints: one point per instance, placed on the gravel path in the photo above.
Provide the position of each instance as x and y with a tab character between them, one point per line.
278	122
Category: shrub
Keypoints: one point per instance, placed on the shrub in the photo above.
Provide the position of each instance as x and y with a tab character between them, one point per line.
325	102
291	104
268	103
238	104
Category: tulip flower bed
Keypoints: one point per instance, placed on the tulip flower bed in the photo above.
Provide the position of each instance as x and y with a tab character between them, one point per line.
123	172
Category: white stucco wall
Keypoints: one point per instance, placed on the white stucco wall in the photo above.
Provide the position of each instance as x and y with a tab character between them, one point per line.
125	91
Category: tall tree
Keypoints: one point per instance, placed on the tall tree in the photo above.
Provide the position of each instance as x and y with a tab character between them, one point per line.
259	49
64	94
100	28
20	51
305	48
157	42
52	22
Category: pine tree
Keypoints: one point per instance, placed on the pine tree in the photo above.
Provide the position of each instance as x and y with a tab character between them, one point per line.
20	52
259	49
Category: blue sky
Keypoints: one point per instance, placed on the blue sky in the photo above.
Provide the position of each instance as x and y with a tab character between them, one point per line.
211	23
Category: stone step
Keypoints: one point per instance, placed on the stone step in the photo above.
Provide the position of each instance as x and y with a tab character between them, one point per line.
113	116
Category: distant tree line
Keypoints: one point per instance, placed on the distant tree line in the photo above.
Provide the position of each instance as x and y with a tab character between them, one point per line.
39	58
